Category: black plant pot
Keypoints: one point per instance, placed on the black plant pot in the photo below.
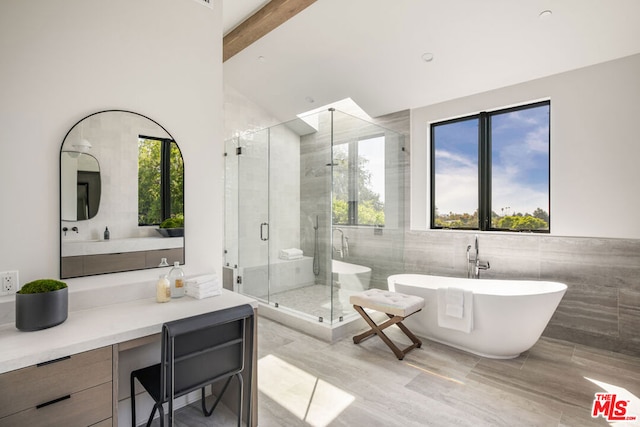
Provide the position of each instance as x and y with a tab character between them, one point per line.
171	232
42	310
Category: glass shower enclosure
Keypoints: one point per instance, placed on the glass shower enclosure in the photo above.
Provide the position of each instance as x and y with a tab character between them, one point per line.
314	211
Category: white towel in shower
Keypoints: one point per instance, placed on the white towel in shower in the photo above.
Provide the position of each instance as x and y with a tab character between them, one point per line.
292	253
455	309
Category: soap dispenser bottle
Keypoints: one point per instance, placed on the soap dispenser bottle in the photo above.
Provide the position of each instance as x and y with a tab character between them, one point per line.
106	233
176	278
163	289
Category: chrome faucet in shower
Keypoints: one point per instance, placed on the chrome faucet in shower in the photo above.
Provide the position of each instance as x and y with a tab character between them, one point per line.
344	244
474	264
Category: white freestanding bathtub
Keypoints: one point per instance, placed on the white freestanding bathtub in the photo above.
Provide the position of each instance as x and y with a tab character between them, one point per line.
509	316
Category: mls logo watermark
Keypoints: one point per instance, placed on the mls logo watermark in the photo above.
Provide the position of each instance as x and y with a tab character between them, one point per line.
610	408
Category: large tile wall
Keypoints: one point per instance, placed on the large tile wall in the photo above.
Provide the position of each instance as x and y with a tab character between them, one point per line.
601	307
315	196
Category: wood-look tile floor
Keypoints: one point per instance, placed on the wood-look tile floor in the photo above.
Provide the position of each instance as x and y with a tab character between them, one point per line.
304	381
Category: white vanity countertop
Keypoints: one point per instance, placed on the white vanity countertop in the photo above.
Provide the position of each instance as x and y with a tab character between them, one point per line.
102	326
134	244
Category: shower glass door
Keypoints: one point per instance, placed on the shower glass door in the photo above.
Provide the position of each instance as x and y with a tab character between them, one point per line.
300	217
253	214
315	212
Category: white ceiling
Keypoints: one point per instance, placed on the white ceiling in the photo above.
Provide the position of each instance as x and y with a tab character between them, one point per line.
236	11
370	50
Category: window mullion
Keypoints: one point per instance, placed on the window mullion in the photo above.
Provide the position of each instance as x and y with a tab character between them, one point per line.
165	178
432	168
353	183
484	172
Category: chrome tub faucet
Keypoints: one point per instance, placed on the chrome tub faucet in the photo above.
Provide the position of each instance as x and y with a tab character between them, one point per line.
344	244
474	264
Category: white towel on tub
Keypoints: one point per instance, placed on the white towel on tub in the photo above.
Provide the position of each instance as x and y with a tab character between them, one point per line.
455	309
454	302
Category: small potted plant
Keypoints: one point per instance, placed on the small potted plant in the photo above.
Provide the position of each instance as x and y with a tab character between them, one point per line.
172	227
41	304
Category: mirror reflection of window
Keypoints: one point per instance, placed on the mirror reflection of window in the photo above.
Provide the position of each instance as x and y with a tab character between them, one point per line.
81	186
160	180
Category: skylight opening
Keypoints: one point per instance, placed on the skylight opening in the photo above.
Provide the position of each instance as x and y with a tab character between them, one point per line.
346	105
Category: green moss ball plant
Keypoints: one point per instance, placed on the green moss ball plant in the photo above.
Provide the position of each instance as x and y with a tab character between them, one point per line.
173	222
172	227
42	285
41	304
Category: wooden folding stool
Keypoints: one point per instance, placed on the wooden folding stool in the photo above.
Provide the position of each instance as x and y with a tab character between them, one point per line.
395	305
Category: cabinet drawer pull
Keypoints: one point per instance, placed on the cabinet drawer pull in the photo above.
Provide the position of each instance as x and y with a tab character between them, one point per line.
51	402
53	361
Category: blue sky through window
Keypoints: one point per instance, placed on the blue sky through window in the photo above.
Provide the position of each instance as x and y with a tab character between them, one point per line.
520	163
456	166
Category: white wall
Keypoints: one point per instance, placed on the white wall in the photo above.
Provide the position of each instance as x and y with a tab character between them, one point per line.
242	115
594	146
66	59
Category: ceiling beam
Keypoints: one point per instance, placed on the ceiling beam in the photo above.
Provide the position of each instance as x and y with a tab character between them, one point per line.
272	15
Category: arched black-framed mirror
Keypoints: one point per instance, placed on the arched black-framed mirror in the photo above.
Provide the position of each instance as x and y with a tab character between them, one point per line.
123	171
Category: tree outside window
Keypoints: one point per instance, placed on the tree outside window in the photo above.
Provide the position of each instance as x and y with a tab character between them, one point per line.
359	182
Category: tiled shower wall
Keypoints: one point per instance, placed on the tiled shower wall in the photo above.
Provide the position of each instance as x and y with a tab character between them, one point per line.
601	307
315	196
383	250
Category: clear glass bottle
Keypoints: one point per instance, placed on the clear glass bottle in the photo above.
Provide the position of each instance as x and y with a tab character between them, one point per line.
176	278
163	289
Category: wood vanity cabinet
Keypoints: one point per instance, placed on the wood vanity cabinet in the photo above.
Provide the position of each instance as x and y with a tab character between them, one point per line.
71	391
85	265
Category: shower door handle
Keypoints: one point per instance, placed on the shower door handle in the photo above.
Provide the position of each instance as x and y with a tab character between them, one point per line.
262	234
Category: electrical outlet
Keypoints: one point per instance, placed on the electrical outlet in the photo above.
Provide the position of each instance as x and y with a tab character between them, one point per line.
8	282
